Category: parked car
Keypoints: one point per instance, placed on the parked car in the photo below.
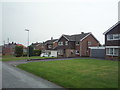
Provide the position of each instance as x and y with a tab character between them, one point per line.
53	54
44	55
50	54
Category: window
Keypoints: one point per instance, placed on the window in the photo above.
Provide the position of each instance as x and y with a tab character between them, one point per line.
66	42
109	37
116	51
77	52
77	43
89	43
60	43
49	46
60	52
116	36
107	51
113	37
112	51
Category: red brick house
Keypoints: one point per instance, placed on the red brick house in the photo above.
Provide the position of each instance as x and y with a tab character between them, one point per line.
112	42
9	49
76	45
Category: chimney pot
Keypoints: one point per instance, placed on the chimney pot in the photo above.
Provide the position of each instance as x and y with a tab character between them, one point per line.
82	32
51	38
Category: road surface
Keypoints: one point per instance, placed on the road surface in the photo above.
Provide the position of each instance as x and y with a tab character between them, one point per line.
13	77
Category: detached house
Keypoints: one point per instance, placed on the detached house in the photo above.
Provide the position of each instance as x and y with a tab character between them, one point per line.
112	42
76	45
49	46
38	46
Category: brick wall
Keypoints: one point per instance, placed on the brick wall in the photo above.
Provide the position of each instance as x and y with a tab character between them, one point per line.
84	45
55	44
112	57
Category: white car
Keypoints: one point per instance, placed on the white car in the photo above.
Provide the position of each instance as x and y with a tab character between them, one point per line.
44	55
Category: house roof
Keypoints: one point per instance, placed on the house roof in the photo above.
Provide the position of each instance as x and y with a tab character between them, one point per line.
75	37
112	27
21	45
50	41
37	44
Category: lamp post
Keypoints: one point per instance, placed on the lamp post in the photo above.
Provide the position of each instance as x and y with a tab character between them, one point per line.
28	45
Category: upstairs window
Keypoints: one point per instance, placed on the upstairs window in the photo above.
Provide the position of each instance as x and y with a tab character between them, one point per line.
113	37
49	46
60	43
66	42
89	43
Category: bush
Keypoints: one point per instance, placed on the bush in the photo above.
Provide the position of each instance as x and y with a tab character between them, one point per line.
36	52
24	54
18	51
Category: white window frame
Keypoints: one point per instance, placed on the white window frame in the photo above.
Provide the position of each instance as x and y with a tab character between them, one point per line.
66	42
60	43
89	43
111	51
49	46
113	37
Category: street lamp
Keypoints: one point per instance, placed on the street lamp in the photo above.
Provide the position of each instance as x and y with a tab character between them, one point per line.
28	44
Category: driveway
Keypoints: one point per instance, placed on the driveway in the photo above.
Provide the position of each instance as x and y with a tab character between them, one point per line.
13	77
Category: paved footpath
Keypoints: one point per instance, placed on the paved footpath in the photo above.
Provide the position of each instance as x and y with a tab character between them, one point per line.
25	61
13	77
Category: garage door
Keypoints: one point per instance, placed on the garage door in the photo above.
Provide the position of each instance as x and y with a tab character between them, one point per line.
97	53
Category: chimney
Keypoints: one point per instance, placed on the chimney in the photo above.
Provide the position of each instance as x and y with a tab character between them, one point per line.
51	38
82	32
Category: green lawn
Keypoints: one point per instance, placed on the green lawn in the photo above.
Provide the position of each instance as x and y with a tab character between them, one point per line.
12	58
77	73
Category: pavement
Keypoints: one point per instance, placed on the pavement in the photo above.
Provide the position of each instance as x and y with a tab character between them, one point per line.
14	63
13	77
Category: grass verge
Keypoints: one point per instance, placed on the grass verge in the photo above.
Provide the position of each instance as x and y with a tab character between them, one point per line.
77	73
12	58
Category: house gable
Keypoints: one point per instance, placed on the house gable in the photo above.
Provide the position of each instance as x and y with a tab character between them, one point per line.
112	31
63	38
116	26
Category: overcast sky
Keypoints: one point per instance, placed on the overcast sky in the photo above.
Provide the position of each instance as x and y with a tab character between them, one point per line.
46	19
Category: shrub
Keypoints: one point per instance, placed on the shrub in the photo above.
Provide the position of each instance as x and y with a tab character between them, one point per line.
18	51
36	52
